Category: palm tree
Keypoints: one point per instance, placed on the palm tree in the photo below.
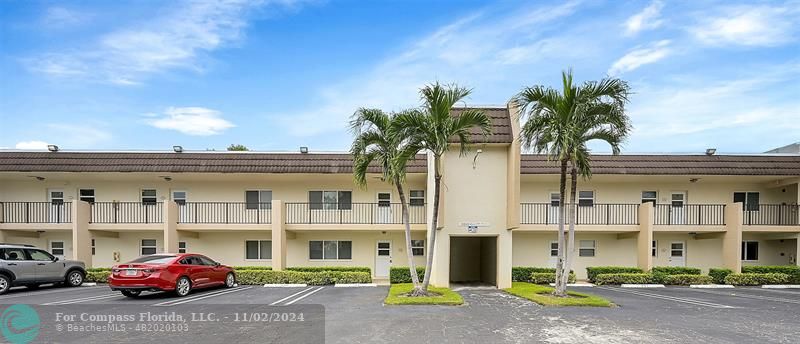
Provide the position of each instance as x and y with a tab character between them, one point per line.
432	128
559	124
374	142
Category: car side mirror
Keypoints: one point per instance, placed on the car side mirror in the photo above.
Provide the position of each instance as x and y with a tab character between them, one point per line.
217	264
55	259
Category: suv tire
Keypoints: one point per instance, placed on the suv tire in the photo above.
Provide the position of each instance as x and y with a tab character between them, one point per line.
5	283
74	278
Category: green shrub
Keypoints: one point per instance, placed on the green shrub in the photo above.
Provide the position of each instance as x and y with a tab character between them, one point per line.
756	279
523	273
675	270
252	268
686	279
623	278
299	277
402	274
593	271
547	278
97	269
791	270
718	274
331	268
97	276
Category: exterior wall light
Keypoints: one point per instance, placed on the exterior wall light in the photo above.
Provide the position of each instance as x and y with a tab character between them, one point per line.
711	151
52	148
304	150
177	149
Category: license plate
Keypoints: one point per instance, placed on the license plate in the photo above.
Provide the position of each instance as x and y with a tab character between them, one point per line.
130	272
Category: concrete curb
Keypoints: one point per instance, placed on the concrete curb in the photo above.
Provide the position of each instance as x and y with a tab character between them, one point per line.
299	285
354	285
642	286
711	286
781	286
89	284
576	285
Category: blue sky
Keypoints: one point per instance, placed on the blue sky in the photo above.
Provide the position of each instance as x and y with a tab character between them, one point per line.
276	75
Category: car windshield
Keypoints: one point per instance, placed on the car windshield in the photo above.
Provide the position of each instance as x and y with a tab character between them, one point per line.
153	259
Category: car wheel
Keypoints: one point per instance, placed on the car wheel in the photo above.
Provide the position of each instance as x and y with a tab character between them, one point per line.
5	284
183	286
230	280
74	278
131	293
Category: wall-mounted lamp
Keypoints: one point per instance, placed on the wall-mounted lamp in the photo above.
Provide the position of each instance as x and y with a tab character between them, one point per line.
39	178
52	148
177	149
711	151
304	150
693	180
475	159
167	178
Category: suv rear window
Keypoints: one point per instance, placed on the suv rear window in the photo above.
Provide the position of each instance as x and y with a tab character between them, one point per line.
153	259
12	254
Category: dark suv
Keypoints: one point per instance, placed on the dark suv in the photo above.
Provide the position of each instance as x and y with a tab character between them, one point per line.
29	266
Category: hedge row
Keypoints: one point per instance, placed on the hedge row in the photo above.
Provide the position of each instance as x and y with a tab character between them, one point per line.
97	276
402	274
523	273
623	278
757	279
547	278
685	279
675	270
331	268
593	271
293	277
791	270
718	274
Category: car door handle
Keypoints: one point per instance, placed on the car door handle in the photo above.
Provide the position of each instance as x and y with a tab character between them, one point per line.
12	263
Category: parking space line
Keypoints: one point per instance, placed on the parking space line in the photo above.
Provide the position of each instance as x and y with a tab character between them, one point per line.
670	298
755	297
45	292
80	300
304	296
199	297
291	296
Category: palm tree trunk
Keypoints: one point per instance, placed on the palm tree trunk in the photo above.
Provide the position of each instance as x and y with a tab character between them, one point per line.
407	223
572	219
561	287
434	225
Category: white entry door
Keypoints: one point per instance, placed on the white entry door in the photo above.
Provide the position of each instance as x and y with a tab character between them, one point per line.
677	253
384	209
383	258
553	213
677	208
553	260
180	198
56	212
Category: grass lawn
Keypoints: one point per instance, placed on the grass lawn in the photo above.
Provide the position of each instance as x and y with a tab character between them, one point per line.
397	296
542	295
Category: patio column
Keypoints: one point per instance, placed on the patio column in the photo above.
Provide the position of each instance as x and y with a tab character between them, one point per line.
2	235
278	236
732	239
644	241
170	227
81	237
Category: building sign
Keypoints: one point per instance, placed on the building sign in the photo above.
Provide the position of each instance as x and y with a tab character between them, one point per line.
472	227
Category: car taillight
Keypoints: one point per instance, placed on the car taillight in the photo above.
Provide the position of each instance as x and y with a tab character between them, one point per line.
115	271
151	270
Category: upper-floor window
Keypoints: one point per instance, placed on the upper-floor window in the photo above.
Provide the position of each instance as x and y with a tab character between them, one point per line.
258	199
86	195
585	198
649	196
749	200
149	196
555	199
417	198
330	200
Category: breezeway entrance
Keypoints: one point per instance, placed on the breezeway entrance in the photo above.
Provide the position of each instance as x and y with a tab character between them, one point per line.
473	260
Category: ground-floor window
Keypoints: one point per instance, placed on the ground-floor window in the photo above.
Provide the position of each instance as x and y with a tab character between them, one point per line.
587	248
749	250
93	247
418	247
554	249
654	248
57	248
181	247
258	249
330	249
148	246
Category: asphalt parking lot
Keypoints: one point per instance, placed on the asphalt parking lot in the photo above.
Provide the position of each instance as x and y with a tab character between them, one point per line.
740	315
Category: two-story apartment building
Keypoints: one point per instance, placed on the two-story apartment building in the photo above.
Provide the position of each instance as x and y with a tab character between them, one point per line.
498	209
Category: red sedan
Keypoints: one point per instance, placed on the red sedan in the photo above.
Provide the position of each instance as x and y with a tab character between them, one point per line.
169	272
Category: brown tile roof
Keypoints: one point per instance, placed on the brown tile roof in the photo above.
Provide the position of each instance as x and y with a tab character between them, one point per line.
211	162
766	165
501	125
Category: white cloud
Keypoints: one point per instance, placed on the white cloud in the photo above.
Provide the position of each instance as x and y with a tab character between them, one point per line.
749	26
31	145
647	19
178	38
59	17
641	56
197	121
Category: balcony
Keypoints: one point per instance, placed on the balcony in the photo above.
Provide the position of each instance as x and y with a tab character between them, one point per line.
35	212
224	213
771	215
689	215
354	213
126	212
596	214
